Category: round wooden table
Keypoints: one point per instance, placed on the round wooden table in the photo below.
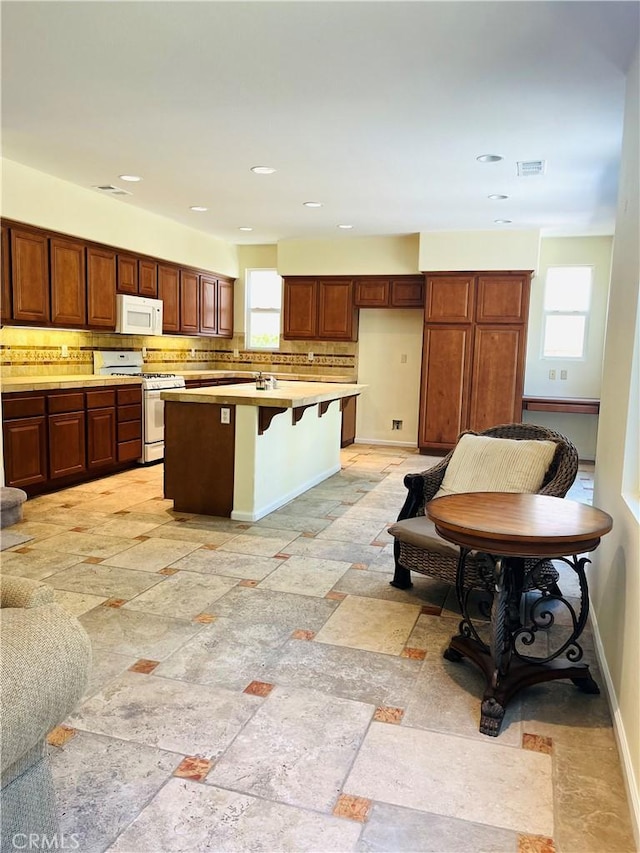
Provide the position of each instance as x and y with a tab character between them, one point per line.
508	528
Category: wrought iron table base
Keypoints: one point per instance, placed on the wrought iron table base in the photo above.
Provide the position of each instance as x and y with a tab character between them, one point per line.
514	624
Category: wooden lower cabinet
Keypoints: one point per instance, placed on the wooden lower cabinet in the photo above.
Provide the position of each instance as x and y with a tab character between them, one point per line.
25	451
101	438
348	432
67	447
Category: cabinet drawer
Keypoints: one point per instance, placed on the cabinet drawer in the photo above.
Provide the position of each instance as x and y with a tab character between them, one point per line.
129	395
57	403
22	407
129	430
129	413
100	399
129	450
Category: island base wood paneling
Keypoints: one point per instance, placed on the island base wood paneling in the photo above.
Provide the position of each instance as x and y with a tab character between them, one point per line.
196	481
474	349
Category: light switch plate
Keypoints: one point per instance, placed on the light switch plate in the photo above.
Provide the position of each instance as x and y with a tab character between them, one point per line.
225	416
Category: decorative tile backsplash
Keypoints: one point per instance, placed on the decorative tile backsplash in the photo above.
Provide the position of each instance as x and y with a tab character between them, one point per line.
26	352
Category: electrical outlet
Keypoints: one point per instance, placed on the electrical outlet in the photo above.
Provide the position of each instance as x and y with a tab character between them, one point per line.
225	416
403	358
310	356
396	424
64	351
144	352
552	374
236	353
192	352
563	374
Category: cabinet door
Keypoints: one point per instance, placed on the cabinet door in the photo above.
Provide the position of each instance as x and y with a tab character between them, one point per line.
407	293
30	276
503	298
225	308
127	274
188	302
208	305
444	394
497	376
68	282
67	453
449	299
148	278
101	437
5	294
168	291
348	431
101	288
300	308
337	318
25	451
371	293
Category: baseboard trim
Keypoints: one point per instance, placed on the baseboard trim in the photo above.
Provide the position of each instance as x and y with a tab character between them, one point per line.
260	512
633	795
384	442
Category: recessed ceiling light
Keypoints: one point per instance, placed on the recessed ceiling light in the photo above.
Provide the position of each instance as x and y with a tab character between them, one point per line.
489	158
245	228
262	170
198	209
497	197
502	221
346	227
312	203
133	178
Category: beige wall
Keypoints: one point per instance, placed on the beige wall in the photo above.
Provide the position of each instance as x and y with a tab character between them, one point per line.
38	199
389	361
614	577
349	256
583	376
479	250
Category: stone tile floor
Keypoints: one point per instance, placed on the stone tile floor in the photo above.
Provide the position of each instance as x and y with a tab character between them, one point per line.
262	687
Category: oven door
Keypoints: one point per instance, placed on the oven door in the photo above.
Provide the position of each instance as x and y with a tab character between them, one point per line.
153	417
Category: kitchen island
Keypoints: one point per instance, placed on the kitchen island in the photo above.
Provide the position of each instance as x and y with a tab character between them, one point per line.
240	453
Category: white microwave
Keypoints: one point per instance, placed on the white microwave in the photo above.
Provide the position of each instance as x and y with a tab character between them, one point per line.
138	315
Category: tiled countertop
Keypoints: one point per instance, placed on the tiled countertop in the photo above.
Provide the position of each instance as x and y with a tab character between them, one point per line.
288	395
46	383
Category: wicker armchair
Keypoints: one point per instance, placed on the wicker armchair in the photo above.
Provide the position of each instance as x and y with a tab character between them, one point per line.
438	558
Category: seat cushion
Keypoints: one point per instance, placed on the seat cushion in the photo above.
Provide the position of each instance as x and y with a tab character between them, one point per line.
421	533
480	463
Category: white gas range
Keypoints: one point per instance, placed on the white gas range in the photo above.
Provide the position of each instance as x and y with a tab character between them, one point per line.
128	363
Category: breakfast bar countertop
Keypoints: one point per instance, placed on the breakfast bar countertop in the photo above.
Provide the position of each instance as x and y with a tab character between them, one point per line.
288	395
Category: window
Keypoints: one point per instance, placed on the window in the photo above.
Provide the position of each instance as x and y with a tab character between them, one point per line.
567	299
264	306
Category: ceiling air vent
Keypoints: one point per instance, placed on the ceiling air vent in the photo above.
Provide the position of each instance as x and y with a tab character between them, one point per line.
109	189
526	168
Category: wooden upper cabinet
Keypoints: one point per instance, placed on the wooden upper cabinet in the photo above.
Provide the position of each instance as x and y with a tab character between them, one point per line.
300	308
168	291
503	298
337	317
101	288
68	282
371	293
30	276
225	308
407	293
148	278
449	299
127	274
188	302
5	293
446	375
208	305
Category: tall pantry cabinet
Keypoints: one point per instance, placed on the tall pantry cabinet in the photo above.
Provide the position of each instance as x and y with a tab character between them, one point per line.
473	357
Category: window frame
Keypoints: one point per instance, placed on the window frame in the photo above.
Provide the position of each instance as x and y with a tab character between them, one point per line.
249	311
586	313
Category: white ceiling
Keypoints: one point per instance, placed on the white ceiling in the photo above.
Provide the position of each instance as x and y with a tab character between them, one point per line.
376	109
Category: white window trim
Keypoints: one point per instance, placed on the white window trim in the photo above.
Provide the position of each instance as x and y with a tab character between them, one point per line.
586	314
248	312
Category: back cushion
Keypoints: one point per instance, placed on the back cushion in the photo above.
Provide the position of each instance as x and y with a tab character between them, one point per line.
483	464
